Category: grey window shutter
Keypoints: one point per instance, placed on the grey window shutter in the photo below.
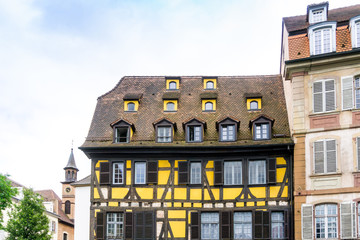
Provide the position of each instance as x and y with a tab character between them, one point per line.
100	229
347	93
319	156
272	170
195	225
218	172
331	156
128	225
226	225
307	221
318	96
152	172
183	172
104	173
347	220
329	95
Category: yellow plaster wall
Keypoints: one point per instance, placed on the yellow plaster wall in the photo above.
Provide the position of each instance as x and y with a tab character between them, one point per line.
160	192
195	194
197	205
258	192
145	193
128	164
280	174
176	163
175	102
96	193
128	177
164	164
231	193
280	161
97	175
180	193
178	228
176	214
274	190
261	203
249	100
176	177
239	204
213	101
100	161
210	164
187	204
113	204
250	204
119	193
210	79
210	178
172	80
285	192
132	101
177	204
215	192
163	177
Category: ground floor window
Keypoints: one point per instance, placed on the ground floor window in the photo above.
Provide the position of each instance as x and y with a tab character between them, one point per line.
210	226
326	219
115	226
277	225
242	225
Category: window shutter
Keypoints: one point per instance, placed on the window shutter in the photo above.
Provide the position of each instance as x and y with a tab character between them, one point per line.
139	225
266	225
183	172
331	155
152	172
318	97
347	220
100	221
330	95
262	225
307	221
149	225
226	225
286	224
195	225
319	156
128	225
104	173
218	172
347	93
272	170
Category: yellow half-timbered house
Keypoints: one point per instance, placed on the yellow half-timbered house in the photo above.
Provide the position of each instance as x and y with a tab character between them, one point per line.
191	158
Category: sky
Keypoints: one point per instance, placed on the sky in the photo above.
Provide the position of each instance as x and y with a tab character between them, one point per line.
57	57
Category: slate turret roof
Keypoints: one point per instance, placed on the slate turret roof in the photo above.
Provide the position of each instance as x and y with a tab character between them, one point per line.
71	163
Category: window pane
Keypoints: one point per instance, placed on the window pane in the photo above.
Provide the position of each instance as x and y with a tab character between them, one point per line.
164	134
242	225
194	134
115	228
253	105
121	134
233	173
170	106
140	171
209	106
326	221
172	85
228	132
262	131
277	225
210	85
257	172
210	226
131	107
195	173
118	171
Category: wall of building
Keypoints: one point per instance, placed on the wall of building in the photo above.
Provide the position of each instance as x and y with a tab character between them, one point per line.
82	207
64	228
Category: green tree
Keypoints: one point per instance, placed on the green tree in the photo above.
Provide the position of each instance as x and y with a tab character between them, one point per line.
6	193
28	220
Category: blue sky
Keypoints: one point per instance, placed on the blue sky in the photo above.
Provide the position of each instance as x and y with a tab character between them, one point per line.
57	57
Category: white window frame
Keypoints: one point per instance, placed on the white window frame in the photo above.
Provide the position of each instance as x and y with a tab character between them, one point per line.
117	137
164	134
325	152
232	172
132	106
260	127
225	131
243	225
195	172
140	173
326	217
210	82
210	225
315	9
320	27
197	133
252	103
278	224
355	31
171	85
120	166
324	95
115	221
168	108
208	104
257	164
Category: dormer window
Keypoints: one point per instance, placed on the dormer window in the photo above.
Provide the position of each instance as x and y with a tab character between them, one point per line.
194	129
254	105
261	127
209	83
170	105
131	106
355	31
123	130
164	129
131	102
228	128
317	13
172	83
209	106
322	38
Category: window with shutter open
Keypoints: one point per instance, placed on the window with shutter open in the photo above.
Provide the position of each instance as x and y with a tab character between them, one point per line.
183	172
347	93
325	156
128	225
218	172
104	173
307	221
194	228
262	225
100	221
144	225
152	172
324	96
226	225
347	220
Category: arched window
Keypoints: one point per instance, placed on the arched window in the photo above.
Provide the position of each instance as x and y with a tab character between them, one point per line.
326	221
254	105
65	236
170	106
67	207
172	85
209	85
209	106
73	175
131	106
68	174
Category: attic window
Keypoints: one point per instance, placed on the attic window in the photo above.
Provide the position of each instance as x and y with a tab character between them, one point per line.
164	130
194	130
170	105
322	38
253	104
355	31
228	128
123	131
172	83
131	106
209	105
209	83
261	127
317	13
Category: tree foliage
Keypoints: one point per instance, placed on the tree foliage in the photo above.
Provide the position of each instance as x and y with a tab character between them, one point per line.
28	220
6	193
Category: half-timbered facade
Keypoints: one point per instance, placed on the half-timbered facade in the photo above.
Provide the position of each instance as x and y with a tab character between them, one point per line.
191	158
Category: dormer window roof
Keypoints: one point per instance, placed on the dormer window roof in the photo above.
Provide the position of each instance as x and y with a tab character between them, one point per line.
123	130
164	129
261	127
317	12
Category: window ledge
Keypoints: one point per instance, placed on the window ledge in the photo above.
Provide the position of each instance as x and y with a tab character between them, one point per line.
170	111
131	111
324	175
209	111
323	113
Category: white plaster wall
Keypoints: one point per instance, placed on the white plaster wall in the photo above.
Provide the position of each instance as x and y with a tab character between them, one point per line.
346	156
82	213
54	235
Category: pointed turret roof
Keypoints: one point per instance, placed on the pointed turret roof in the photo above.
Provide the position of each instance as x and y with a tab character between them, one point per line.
71	163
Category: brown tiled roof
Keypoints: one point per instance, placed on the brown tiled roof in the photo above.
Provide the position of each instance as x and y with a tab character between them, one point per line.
132	96
171	95
297	23
230	103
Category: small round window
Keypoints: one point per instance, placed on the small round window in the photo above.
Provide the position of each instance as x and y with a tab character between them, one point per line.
172	85
209	85
209	106
170	106
131	106
254	105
